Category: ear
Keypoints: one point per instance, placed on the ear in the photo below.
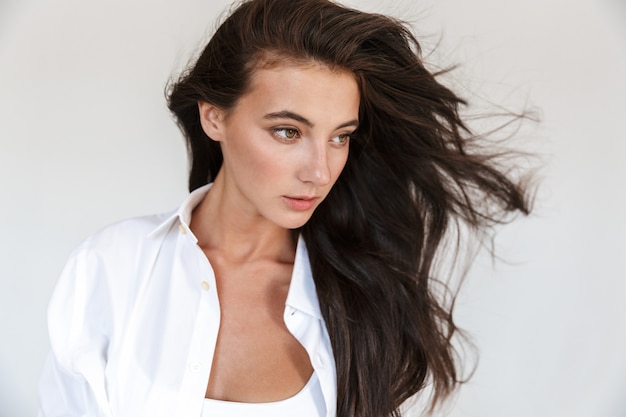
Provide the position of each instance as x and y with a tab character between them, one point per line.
212	120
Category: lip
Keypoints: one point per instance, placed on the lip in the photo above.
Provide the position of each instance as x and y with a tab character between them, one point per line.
300	202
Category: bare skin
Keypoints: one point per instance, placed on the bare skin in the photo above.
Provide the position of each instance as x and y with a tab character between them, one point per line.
256	358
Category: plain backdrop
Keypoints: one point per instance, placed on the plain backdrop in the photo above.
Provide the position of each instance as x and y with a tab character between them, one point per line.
86	139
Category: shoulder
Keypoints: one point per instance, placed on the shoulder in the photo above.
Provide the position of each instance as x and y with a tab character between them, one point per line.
115	255
120	241
112	259
101	279
125	234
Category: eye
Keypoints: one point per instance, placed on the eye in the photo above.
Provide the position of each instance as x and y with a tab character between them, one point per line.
342	139
286	133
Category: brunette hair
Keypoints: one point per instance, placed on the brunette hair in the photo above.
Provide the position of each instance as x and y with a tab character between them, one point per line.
413	175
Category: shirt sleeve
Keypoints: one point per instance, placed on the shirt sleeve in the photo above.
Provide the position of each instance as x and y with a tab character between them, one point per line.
73	380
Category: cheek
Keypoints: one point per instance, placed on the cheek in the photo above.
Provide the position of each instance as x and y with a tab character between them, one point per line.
260	163
338	164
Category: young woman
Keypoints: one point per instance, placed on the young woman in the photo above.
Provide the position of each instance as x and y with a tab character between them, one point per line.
328	166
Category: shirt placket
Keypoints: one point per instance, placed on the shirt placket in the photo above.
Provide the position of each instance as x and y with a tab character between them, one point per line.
194	265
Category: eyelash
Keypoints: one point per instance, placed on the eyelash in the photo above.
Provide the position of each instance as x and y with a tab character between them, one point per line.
296	134
276	131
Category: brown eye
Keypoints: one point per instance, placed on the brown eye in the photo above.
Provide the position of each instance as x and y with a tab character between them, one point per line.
341	140
286	133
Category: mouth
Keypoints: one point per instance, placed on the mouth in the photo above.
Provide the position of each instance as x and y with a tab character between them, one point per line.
300	202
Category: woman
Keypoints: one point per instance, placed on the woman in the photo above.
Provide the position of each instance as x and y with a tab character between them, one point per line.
327	168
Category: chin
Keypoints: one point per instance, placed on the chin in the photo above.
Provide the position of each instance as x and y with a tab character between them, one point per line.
295	222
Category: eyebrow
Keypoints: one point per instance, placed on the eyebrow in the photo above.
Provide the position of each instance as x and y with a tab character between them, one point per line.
286	114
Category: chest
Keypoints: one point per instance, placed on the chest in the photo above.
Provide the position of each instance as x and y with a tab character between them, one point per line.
162	352
256	358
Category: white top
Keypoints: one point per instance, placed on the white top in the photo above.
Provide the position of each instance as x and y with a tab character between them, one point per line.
308	402
134	318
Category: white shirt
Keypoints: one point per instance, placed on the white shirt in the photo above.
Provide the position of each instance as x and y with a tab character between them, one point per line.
133	323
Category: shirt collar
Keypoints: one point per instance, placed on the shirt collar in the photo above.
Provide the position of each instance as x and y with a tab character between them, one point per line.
183	214
301	295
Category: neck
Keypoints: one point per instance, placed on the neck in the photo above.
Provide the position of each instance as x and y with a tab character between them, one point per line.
224	228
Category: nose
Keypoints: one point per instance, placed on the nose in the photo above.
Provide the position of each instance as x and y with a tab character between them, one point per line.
315	167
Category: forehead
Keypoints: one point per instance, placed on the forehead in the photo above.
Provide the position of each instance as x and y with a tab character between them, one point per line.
308	85
279	62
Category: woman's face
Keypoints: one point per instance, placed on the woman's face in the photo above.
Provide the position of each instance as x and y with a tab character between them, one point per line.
286	140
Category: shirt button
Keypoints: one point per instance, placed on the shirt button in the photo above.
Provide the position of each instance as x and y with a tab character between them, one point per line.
182	229
194	367
205	285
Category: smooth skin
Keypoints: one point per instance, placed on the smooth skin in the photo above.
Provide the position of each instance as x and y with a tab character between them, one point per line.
285	144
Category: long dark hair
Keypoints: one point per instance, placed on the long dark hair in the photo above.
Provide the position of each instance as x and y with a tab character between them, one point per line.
414	173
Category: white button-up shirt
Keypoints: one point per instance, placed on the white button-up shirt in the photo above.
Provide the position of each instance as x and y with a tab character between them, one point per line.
134	319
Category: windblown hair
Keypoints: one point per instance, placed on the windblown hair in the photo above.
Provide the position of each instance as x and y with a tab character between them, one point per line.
414	173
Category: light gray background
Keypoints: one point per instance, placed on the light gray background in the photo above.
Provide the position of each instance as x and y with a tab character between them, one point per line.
86	140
